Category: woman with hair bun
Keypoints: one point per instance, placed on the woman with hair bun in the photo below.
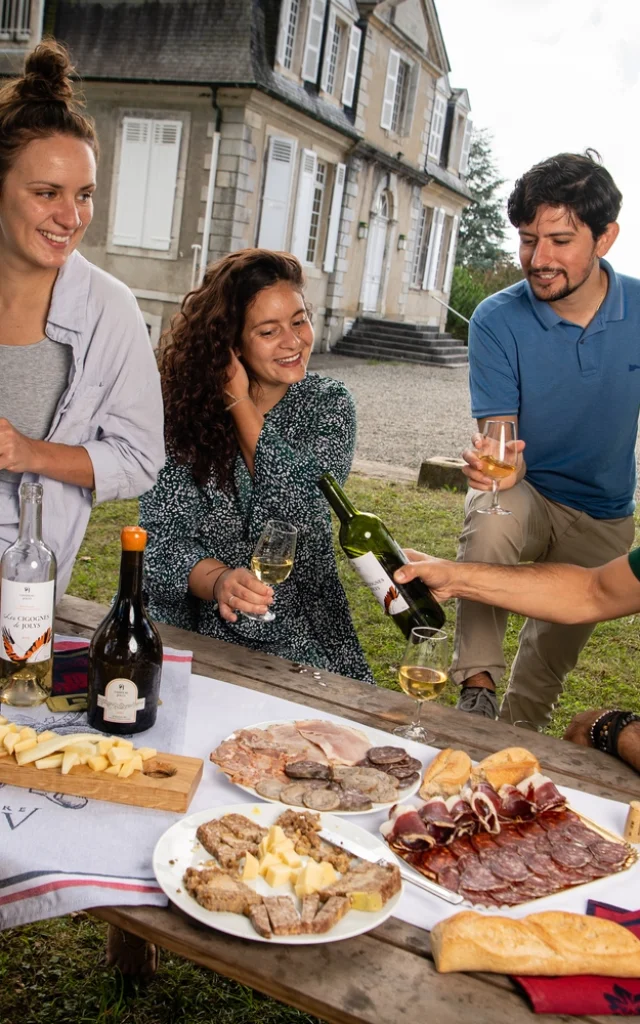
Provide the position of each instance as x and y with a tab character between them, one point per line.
249	432
80	400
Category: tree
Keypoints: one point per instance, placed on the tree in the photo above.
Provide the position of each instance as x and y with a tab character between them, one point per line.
482	226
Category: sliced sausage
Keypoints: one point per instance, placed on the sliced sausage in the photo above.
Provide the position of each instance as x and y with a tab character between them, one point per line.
307	770
387	755
321	800
270	789
505	864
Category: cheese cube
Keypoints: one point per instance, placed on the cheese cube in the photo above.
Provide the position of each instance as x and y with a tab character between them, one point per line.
69	760
124	743
275	835
104	746
10	741
309	879
98	763
269	861
263	847
28	733
277	875
279	848
369	901
290	858
251	868
126	769
146	752
27	744
53	761
136	760
114	769
328	874
46	735
4	731
117	755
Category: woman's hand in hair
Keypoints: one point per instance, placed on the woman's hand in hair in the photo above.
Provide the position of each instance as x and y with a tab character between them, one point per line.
241	591
237	385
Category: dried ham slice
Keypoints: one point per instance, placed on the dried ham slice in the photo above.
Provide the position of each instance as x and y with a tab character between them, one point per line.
340	744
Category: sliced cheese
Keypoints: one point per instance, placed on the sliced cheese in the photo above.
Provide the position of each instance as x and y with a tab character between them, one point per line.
28	733
98	763
69	760
51	747
53	761
278	874
126	769
146	752
104	746
263	847
290	858
118	755
25	744
269	861
124	743
46	735
136	761
369	901
251	868
114	769
275	835
10	740
328	874
4	730
309	879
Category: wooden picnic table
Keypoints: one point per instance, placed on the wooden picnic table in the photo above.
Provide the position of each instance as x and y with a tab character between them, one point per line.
386	976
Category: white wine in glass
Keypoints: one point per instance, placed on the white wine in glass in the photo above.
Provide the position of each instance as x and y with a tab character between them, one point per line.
272	558
499	460
423	675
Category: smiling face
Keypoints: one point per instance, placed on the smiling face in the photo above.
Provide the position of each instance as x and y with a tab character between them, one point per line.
277	337
46	202
558	252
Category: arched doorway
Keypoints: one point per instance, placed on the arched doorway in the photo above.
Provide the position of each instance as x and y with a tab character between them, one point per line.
376	249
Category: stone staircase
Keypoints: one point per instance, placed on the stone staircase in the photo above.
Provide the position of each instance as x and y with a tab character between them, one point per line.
400	341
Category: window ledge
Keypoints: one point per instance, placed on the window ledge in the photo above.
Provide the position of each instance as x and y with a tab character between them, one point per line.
152	254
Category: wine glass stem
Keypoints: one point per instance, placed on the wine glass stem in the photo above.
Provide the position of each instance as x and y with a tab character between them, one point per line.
494	489
416	721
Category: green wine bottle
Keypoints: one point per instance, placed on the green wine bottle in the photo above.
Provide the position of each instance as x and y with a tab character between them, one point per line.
375	556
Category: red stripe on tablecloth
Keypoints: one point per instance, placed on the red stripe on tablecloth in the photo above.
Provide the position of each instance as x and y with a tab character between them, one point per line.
177	657
40	890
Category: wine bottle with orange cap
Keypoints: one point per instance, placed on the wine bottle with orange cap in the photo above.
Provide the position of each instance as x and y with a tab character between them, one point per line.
125	654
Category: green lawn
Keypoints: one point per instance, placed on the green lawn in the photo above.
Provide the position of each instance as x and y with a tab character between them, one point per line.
52	972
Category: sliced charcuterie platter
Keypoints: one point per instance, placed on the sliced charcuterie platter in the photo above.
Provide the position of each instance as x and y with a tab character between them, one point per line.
321	765
501	844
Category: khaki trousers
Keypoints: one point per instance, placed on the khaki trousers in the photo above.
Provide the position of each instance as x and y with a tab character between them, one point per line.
538	530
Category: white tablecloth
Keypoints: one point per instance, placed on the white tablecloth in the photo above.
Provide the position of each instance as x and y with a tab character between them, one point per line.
108	835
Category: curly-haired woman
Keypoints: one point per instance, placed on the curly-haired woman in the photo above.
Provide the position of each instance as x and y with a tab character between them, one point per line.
248	434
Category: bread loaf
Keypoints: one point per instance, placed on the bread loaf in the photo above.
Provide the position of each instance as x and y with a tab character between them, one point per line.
511	765
446	774
550	943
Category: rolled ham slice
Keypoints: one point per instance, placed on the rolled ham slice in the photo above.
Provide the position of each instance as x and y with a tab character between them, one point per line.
464	819
406	829
514	806
542	792
485	804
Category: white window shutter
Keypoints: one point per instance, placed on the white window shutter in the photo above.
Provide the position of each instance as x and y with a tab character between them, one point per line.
161	184
331	27
313	42
132	181
334	218
285	14
304	204
390	89
431	265
437	126
351	69
275	193
414	78
451	255
466	146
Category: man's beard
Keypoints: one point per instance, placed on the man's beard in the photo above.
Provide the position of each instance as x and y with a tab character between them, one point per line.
564	290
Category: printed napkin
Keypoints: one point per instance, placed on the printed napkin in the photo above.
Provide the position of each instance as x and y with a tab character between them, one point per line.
589	994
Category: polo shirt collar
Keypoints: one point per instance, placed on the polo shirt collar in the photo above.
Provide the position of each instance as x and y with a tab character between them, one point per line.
612	308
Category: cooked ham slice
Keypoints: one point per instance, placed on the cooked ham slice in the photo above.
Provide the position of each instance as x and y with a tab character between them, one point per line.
340	744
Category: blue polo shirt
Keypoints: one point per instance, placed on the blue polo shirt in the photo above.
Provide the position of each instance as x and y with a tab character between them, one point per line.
575	390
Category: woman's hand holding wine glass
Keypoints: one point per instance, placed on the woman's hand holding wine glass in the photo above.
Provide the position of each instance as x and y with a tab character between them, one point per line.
272	559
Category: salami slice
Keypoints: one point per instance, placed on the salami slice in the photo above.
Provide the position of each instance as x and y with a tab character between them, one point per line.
479	879
569	856
509	897
438	858
399	771
406	780
307	770
505	864
449	877
461	846
509	837
388	755
542	864
530	828
542	843
483	841
534	888
609	854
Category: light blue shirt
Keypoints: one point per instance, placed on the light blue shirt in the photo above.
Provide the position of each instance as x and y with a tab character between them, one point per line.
575	390
112	407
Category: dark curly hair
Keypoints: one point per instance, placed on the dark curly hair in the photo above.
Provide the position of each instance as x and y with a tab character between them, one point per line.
41	103
196	354
574	180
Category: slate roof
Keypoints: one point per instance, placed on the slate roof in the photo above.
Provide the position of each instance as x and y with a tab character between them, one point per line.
213	42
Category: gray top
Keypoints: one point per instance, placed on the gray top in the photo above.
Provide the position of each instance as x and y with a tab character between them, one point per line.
32	381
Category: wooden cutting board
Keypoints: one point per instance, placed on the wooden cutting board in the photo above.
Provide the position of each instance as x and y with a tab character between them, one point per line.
167	783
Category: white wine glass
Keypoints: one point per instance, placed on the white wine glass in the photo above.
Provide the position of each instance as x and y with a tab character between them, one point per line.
423	675
272	558
499	458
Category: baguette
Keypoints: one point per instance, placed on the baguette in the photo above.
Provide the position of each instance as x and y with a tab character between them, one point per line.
550	943
511	765
446	774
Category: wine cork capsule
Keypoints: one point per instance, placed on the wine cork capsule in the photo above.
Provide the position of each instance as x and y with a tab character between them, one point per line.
632	827
133	538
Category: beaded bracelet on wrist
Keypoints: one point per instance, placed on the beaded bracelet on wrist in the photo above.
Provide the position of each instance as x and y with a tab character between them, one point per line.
623	719
600	730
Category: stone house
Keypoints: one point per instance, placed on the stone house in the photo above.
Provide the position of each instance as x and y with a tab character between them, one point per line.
324	127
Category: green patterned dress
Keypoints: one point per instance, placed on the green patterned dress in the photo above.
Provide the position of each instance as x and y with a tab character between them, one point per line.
309	432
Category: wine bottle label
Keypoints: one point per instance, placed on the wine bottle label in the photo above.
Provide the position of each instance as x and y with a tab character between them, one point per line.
120	701
26	621
379	583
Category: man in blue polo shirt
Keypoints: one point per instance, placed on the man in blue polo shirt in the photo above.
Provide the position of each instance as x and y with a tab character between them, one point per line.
559	354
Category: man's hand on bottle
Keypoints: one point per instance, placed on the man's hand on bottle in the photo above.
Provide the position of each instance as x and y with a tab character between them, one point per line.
17	452
474	469
240	591
438	574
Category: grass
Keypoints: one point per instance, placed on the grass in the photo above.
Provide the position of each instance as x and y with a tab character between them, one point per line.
53	973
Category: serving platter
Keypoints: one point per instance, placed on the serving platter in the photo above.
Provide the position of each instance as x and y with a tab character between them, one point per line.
178	849
377	738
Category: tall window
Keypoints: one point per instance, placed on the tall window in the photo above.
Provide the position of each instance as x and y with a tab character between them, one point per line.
15	17
436	134
316	210
334	55
290	33
421	247
399	94
401	97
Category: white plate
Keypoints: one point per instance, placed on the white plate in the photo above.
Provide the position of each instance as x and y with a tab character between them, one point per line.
178	849
378	739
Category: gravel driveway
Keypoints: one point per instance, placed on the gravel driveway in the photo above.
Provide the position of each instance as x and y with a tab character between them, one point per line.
406	412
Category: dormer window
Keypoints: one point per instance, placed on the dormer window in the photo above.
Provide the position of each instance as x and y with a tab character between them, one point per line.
436	135
335	48
466	147
289	24
399	94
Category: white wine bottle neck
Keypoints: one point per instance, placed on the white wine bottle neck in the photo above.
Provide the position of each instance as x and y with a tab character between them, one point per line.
30	528
341	505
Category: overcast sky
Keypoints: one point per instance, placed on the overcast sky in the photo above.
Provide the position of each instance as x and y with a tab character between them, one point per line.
547	76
